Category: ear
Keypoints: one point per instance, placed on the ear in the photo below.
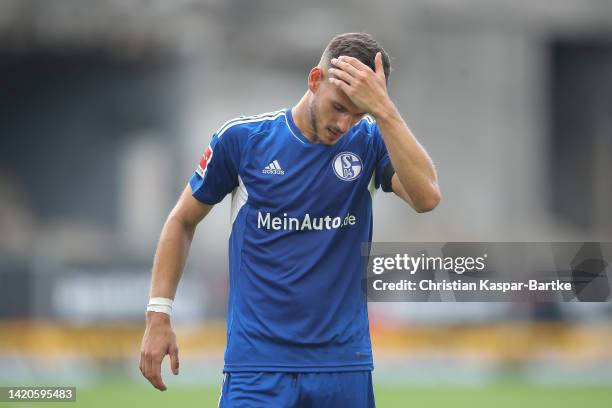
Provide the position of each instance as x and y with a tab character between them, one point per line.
315	77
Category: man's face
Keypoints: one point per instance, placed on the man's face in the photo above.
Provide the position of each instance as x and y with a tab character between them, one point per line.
331	111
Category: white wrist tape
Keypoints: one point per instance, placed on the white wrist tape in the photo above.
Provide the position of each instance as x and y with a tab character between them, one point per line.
160	305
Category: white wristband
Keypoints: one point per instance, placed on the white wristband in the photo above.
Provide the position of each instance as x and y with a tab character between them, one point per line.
160	305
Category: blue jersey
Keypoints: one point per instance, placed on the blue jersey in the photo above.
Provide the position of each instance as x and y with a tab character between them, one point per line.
300	212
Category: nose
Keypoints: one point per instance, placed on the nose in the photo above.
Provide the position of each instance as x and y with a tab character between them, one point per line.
344	122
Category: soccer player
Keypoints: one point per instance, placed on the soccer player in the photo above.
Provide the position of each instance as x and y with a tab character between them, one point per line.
302	180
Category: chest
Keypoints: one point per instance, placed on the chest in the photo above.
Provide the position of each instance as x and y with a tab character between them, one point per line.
288	176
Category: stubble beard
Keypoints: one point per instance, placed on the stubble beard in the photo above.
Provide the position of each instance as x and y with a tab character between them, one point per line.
312	113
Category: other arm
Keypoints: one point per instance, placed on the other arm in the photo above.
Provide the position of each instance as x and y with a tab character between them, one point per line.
170	257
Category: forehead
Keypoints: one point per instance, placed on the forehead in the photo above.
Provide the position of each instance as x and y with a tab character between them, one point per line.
336	95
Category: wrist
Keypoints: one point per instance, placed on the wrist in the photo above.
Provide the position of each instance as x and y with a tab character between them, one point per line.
160	305
157	317
384	111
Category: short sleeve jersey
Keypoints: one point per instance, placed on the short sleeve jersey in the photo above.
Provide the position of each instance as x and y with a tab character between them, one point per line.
300	212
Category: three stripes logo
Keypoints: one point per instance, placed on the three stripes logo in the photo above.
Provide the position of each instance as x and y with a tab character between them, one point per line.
273	168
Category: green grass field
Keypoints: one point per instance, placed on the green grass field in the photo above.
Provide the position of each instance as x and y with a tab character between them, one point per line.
498	396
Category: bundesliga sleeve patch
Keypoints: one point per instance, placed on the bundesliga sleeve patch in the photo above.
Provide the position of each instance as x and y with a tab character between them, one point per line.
201	170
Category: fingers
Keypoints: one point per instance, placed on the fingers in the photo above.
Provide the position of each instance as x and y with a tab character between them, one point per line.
340	74
354	62
152	367
343	64
155	377
341	84
378	64
158	340
174	360
141	363
351	70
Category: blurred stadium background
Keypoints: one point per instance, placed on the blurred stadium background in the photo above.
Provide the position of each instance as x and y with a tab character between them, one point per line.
107	105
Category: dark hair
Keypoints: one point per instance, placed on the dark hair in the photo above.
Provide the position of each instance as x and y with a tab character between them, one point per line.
357	45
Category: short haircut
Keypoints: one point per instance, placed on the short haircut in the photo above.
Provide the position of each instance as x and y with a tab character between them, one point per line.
357	45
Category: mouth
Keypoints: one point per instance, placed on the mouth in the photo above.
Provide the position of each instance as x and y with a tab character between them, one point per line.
334	135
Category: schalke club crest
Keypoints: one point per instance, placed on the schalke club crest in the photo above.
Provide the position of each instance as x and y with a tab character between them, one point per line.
347	166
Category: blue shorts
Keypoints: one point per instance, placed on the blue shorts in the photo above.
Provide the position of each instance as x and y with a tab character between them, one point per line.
297	390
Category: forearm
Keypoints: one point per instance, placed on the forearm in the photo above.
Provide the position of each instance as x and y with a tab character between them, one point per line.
412	164
170	257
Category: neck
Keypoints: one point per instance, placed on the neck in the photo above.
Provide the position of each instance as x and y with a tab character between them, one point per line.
301	117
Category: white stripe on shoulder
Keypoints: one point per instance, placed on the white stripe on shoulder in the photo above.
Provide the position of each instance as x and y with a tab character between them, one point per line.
369	119
220	133
242	118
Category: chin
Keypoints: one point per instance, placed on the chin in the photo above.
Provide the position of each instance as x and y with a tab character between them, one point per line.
331	138
327	141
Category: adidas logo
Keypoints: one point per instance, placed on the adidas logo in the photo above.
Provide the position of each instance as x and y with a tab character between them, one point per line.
273	168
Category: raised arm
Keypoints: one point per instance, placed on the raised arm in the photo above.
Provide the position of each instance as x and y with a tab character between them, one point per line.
170	257
415	178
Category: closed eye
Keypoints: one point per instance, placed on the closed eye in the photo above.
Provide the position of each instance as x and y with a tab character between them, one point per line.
342	109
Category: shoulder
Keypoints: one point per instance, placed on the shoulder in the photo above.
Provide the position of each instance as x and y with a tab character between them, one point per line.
370	126
366	126
366	131
242	127
366	136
